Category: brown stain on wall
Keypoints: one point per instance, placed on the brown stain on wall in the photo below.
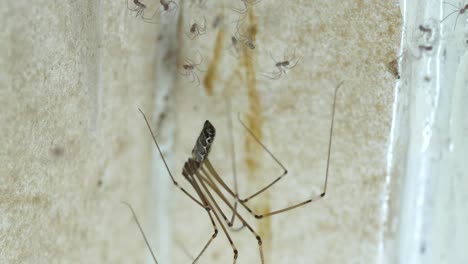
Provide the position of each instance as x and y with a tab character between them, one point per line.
252	148
254	121
245	74
212	71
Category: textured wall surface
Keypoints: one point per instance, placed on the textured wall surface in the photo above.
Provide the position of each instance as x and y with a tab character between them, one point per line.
73	76
74	145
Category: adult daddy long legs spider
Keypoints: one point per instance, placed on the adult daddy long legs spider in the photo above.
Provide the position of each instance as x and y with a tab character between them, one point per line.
210	188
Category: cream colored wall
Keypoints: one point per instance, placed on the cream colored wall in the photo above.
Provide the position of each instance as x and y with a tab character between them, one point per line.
75	74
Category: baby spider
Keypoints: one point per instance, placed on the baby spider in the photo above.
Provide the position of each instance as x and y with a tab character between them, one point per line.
141	230
459	9
234	47
247	5
246	39
166	6
189	69
427	32
139	8
281	66
243	11
197	29
425	29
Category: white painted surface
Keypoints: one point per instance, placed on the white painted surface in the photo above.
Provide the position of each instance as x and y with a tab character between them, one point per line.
433	94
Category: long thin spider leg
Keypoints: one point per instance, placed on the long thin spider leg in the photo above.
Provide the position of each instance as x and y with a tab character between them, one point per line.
165	163
128	7
233	162
267	214
205	176
196	76
184	249
449	15
201	59
258	216
150	19
202	197
216	208
184	73
450	4
282	70
146	19
274	75
330	139
189	61
292	65
215	233
154	14
213	186
141	231
207	179
191	37
193	76
271	56
140	12
240	11
456	19
285	171
293	57
195	186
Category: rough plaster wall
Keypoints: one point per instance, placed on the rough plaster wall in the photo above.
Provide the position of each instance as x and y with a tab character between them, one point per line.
76	72
73	75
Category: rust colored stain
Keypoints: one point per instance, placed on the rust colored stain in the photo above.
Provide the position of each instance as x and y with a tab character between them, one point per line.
255	108
245	73
212	72
255	123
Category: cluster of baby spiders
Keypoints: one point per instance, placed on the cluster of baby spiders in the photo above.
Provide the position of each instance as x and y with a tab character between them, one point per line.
166	7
